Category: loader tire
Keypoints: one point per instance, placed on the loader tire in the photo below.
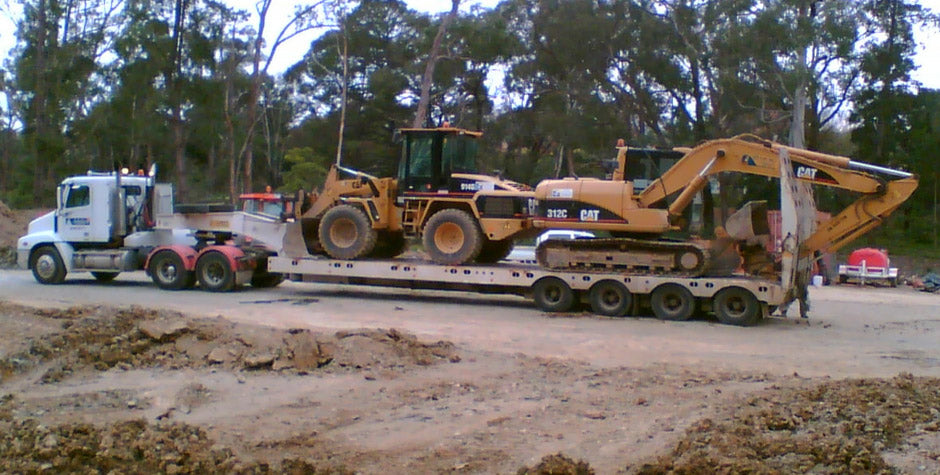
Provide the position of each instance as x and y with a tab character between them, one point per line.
346	233
452	237
494	251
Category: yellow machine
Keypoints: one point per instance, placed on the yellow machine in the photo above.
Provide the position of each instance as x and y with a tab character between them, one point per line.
612	205
460	216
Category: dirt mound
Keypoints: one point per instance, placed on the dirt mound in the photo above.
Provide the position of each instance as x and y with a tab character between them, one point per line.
14	223
558	464
103	338
132	446
836	427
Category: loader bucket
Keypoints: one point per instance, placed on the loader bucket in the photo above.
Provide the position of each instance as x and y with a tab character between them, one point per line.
294	245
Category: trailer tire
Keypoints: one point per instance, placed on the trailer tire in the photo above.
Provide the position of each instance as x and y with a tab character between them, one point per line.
215	273
494	251
672	302
737	306
452	237
552	294
168	272
105	276
47	266
346	233
610	298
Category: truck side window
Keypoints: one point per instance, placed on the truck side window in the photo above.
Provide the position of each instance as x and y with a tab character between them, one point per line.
78	196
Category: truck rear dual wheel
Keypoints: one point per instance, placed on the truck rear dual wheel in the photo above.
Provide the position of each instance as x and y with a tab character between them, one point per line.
452	237
215	273
47	266
346	233
168	272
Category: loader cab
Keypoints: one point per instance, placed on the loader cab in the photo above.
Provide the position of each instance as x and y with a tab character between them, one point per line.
431	156
645	165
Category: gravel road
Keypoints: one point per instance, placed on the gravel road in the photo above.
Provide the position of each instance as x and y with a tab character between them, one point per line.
852	332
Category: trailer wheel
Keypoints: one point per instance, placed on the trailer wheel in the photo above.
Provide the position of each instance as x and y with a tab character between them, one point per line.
672	302
494	251
215	272
346	233
452	237
47	266
610	298
737	306
104	276
168	272
552	294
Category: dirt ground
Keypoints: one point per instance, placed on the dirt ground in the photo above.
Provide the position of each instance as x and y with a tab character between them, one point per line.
13	224
131	390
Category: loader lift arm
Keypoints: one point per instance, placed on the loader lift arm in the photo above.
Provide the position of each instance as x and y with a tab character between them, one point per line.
752	155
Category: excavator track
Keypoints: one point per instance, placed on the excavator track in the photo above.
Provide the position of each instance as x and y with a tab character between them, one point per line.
641	256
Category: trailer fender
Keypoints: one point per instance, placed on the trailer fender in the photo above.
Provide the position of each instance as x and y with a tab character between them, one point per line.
186	253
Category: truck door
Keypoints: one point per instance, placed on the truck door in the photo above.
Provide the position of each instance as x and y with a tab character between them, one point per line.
75	216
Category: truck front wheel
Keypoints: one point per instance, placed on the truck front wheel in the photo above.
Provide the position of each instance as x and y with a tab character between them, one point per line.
168	272
346	233
452	237
47	266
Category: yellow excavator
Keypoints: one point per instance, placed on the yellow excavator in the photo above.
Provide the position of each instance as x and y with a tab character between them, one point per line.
460	216
637	221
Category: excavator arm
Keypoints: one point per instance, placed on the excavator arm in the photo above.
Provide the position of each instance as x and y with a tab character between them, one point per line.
752	155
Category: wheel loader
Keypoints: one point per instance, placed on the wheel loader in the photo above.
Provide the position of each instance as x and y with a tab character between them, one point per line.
460	216
638	220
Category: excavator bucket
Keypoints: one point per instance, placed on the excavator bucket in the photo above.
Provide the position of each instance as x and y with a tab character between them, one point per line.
749	222
798	213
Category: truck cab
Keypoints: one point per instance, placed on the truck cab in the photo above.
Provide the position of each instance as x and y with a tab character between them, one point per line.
103	223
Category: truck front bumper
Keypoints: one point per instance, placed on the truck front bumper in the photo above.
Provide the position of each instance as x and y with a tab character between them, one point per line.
22	253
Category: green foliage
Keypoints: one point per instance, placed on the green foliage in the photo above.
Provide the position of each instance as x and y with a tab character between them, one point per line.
577	76
305	170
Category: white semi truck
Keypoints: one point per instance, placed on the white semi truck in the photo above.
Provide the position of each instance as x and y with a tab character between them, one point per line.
108	223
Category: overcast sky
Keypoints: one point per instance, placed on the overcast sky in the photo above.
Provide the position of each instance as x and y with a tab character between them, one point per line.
928	57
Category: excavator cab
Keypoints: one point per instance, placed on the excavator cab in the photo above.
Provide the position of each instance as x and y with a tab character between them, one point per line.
431	156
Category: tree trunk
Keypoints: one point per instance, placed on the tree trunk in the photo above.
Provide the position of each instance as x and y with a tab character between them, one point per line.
38	108
179	144
342	107
425	99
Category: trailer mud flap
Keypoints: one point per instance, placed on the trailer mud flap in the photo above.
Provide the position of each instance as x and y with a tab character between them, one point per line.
798	213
